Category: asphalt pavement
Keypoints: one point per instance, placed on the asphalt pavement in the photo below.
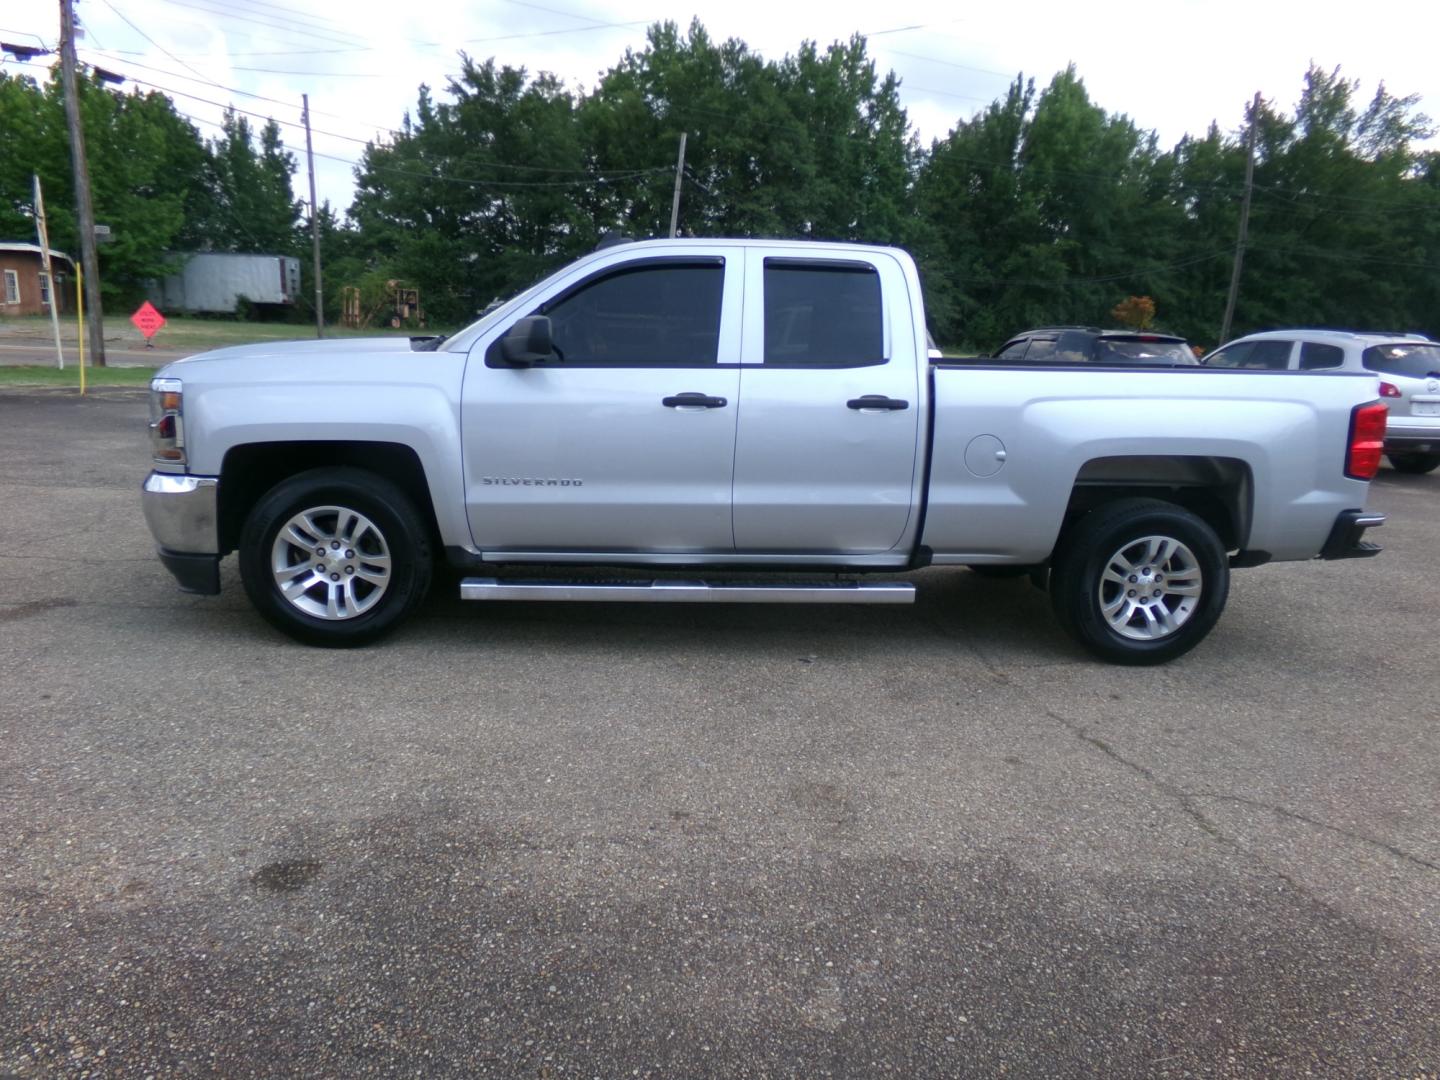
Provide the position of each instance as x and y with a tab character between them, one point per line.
701	841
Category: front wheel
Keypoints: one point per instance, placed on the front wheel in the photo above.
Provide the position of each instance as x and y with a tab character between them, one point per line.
1139	581
1415	463
335	557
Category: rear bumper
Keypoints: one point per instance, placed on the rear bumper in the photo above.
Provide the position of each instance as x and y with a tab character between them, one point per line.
1344	541
182	514
1420	434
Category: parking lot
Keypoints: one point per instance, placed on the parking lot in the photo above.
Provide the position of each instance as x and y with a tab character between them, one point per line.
663	841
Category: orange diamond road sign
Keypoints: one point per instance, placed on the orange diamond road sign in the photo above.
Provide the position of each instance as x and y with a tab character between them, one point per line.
147	319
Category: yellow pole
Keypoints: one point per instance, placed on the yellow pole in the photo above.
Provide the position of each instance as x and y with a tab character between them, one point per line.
80	318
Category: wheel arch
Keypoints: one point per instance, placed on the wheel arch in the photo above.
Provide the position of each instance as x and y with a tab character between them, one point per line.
249	470
1218	490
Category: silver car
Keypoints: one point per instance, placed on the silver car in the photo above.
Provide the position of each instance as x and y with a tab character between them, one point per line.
1408	366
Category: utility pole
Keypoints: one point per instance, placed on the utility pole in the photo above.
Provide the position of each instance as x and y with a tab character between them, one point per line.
314	225
95	321
679	173
1244	222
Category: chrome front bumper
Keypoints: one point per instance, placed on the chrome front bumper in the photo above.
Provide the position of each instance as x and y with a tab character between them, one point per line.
182	512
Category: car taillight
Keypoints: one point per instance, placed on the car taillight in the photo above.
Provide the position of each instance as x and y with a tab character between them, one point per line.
1367	440
167	422
1389	390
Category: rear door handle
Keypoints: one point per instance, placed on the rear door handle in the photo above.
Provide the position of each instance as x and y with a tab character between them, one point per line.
877	402
691	400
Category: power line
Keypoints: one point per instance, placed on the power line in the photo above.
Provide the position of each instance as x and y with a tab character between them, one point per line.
349	138
147	37
207	82
553	11
588	178
948	63
308	20
315	74
1128	275
1342	256
272	25
588	181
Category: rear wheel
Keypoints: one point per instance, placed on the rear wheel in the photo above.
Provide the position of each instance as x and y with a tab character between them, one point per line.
335	557
1414	463
1139	581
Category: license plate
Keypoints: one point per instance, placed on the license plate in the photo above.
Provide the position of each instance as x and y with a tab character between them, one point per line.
1425	408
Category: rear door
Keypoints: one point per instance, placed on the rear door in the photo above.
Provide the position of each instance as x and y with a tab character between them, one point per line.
826	444
624	440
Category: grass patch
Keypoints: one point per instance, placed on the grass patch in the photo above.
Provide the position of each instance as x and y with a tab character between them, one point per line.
39	375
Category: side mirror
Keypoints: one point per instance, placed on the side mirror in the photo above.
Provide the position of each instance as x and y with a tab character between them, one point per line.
527	342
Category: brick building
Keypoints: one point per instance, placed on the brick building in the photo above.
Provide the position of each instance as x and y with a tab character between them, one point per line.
23	287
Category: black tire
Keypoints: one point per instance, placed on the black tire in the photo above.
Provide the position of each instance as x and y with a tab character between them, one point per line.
394	529
1415	463
1079	586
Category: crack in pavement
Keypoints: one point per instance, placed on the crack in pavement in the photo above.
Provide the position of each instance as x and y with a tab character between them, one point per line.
1399	853
1185	800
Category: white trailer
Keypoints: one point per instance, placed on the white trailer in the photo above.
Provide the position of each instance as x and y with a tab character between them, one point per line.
215	282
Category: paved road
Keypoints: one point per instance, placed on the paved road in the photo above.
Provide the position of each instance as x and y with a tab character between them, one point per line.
550	841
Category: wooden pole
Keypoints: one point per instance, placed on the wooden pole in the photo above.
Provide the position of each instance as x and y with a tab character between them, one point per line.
675	202
80	318
85	211
314	225
1244	223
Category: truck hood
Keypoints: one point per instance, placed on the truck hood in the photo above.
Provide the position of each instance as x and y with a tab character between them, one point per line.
302	350
333	362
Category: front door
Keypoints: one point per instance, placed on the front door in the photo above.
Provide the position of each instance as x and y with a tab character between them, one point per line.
623	441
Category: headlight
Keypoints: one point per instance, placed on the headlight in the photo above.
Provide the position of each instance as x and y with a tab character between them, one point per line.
167	422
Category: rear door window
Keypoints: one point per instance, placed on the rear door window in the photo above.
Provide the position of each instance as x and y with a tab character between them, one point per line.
822	314
1315	356
1418	361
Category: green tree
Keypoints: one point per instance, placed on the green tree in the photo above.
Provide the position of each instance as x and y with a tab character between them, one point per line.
253	208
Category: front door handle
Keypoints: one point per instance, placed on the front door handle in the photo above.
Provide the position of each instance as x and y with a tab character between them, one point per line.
693	401
877	402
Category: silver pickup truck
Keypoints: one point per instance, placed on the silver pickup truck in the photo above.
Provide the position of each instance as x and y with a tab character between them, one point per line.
763	416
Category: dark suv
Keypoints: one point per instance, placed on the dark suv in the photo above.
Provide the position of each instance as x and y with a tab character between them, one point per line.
1091	345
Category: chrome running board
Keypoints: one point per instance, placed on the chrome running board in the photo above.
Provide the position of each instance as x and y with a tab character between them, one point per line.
689	592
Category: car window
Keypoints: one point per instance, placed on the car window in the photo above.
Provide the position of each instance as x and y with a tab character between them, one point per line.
644	315
1042	351
1315	355
1141	351
1252	355
1013	351
1075	347
1415	361
822	314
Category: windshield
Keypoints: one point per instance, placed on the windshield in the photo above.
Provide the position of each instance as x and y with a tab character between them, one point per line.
1132	351
1414	361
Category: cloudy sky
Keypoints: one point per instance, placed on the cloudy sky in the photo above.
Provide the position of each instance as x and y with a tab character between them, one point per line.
1173	66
